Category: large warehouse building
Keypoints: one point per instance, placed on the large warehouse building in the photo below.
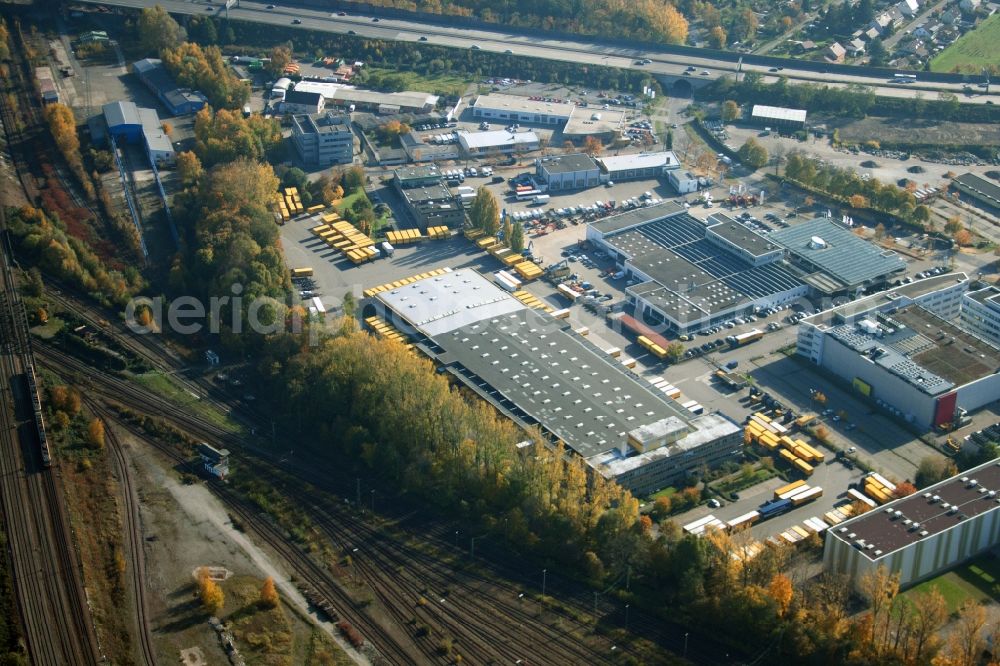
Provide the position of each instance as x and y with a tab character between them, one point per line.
921	535
344	97
981	314
638	166
901	350
978	191
835	259
694	273
580	122
535	369
499	142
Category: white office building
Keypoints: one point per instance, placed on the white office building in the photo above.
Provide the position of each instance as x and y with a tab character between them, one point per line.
981	314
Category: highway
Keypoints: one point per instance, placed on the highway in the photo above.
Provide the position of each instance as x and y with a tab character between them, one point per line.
500	40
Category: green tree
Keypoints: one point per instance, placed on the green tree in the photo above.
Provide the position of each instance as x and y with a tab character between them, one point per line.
669	141
675	352
752	154
877	53
517	237
158	30
484	213
280	56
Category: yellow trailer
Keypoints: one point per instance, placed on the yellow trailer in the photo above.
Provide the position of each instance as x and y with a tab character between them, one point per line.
791	486
803	466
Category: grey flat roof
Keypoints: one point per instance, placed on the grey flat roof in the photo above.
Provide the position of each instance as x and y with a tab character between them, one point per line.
886	533
913	290
740	236
778	113
323	123
636	217
416	173
988	296
568	163
978	186
583	397
524	105
846	257
437	192
588	120
706	429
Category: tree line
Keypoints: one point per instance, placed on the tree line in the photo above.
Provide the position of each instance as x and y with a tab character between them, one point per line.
846	186
853	101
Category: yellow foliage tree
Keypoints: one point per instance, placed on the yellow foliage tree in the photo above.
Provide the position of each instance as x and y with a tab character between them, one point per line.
780	590
188	167
268	594
717	37
211	595
95	433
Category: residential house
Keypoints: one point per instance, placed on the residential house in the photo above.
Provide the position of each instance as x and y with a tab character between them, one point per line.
856	47
870	34
908	8
969	6
951	16
806	46
835	52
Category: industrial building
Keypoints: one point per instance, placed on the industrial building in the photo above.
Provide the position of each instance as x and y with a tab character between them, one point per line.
684	182
694	273
135	124
427	197
638	166
500	142
603	124
568	172
179	101
904	350
981	314
324	140
515	109
214	461
978	191
835	259
921	535
536	370
578	122
346	97
778	117
299	102
419	151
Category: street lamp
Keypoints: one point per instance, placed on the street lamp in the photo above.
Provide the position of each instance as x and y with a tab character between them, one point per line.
544	572
685	645
626	617
373	500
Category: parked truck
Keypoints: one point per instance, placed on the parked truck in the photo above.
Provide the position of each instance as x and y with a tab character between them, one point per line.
541	199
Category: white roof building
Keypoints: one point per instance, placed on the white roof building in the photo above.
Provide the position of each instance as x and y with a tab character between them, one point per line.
500	141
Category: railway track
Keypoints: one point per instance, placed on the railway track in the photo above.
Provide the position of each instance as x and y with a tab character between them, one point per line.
51	598
579	602
133	541
500	607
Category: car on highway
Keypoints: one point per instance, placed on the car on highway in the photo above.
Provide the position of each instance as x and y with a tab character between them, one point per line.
376	20
508	51
270	6
705	72
296	22
475	47
423	38
341	13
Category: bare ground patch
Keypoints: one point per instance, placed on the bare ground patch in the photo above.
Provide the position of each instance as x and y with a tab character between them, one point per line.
923	132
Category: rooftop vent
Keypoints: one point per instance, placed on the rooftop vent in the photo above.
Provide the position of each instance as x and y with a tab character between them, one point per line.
924	533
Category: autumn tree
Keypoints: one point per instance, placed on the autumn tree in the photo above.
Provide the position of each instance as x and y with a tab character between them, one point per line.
268	594
780	590
188	167
484	213
211	595
953	225
168	129
717	37
966	643
62	125
675	352
390	131
661	507
158	30
568	147
963	238
95	433
730	110
879	231
858	201
904	489
752	153
592	146
663	20
206	70
822	433
224	136
819	397
280	57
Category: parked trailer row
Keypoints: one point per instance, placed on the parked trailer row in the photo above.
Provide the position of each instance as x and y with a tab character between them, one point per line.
861	497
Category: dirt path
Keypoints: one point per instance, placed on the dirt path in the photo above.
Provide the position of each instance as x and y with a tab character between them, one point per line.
198	516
